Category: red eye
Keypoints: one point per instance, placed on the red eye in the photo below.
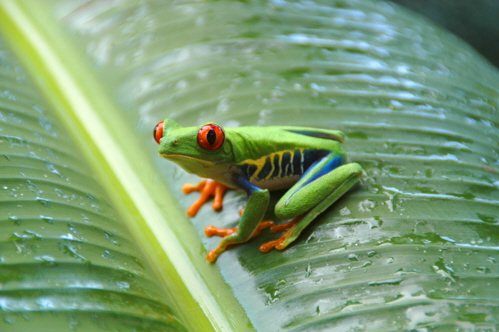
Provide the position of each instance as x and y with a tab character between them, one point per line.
158	131
211	136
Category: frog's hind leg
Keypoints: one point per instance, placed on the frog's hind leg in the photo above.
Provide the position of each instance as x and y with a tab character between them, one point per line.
322	185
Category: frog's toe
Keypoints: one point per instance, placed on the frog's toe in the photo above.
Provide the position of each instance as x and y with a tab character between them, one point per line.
285	226
189	188
278	244
218	192
207	188
210	231
285	239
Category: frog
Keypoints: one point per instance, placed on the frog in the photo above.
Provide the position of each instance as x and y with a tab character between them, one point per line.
309	163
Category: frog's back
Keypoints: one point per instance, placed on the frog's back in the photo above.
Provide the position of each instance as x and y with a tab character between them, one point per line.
276	157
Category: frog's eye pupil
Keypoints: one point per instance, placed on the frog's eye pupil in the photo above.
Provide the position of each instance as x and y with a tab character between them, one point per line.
211	136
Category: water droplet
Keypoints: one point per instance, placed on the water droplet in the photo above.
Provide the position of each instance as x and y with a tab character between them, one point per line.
48	220
90	197
366	264
46	260
395	298
123	285
366	205
396	105
15	220
332	103
54	170
353	257
108	255
33	187
345	211
393	282
111	238
22	247
44	202
24	235
308	271
68	237
487	218
72	251
316	87
483	269
444	270
73	229
281	282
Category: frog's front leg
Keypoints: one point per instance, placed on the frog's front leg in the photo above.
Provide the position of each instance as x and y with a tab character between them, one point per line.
319	188
258	200
207	188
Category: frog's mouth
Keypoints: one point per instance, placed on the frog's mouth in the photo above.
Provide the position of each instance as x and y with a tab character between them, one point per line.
181	159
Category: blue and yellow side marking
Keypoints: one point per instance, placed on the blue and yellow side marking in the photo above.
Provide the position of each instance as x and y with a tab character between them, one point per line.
280	164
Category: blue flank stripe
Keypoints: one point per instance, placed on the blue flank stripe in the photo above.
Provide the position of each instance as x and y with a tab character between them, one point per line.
332	164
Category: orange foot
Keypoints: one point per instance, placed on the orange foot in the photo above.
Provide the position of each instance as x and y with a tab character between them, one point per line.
210	231
279	243
207	188
223	232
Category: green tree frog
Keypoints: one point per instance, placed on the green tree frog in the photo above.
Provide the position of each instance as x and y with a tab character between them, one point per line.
308	161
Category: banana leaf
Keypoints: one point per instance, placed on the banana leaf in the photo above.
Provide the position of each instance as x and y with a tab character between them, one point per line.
94	231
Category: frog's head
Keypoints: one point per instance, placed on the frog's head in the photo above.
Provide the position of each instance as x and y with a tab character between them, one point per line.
193	148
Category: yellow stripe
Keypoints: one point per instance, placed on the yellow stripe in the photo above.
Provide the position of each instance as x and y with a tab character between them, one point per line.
260	163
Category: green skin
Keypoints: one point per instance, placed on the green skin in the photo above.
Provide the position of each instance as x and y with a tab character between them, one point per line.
310	193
